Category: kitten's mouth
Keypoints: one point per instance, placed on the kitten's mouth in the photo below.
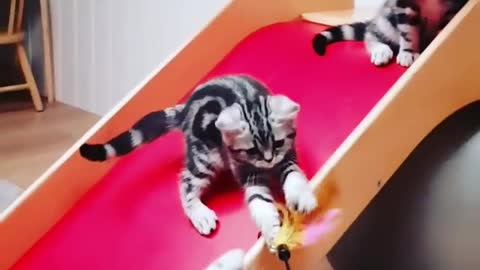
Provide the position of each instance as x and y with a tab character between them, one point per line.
265	164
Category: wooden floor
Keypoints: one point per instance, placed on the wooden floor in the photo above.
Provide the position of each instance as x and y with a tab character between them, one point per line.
31	141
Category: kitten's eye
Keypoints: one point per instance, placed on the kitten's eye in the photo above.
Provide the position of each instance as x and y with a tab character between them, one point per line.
235	150
292	135
253	151
278	143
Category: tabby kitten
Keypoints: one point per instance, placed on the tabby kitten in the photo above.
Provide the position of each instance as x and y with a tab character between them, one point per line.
405	27
232	123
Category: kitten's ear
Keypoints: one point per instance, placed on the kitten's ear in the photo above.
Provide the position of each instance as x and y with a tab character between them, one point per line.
230	121
283	109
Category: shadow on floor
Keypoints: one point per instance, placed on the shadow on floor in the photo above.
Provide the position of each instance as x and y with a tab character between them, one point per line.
428	215
8	193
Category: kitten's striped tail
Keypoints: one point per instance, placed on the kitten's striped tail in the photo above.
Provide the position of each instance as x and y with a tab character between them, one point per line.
353	31
150	127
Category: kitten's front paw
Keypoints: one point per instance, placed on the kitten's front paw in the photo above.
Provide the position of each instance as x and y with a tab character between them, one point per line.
269	236
303	201
406	59
203	218
381	54
298	194
267	218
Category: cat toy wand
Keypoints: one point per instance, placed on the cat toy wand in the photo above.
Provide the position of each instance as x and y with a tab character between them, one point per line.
296	232
284	255
293	233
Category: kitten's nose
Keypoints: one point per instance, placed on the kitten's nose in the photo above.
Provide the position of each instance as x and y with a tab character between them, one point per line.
268	156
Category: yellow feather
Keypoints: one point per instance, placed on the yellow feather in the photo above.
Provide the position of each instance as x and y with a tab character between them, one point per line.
291	232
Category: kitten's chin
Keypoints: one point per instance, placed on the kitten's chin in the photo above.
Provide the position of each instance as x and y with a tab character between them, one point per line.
268	165
264	164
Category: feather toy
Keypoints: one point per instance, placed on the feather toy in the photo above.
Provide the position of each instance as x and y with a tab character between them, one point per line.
297	230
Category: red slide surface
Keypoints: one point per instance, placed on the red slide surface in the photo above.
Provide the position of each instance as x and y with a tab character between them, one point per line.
132	219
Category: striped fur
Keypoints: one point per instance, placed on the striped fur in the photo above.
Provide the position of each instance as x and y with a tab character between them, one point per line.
402	27
232	123
150	127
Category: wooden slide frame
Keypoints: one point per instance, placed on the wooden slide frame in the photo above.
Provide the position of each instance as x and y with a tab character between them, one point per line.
443	80
425	95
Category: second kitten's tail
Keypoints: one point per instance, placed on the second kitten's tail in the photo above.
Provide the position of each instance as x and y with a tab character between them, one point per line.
353	31
150	127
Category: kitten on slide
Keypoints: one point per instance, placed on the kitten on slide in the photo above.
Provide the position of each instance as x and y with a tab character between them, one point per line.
229	123
403	26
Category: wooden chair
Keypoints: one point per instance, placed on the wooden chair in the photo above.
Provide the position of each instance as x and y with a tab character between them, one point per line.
14	35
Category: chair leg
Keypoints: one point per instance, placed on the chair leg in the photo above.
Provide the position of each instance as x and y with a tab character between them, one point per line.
27	73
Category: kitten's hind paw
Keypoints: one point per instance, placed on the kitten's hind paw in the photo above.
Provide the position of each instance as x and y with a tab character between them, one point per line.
381	54
406	58
203	218
320	43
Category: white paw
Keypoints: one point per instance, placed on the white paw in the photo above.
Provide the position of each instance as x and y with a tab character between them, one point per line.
202	218
269	235
298	194
232	260
406	59
303	201
381	54
268	221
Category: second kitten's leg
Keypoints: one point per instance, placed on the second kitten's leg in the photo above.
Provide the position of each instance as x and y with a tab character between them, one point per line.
380	53
408	19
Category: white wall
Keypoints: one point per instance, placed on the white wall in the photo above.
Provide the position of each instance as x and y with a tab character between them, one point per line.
103	48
